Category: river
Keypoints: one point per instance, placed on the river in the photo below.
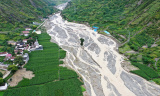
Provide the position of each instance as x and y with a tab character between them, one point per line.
97	62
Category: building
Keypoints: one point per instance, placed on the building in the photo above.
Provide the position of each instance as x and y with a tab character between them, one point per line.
26	58
36	23
20	44
25	40
25	33
3	53
12	42
38	32
12	58
28	29
8	56
37	46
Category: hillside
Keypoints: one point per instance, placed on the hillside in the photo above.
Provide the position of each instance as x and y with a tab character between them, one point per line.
135	23
19	13
117	16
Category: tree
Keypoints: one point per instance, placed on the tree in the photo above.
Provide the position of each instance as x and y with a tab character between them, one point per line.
19	60
1	81
13	68
1	75
30	41
82	40
34	27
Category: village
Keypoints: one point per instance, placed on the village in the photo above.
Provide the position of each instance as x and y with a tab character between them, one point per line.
10	62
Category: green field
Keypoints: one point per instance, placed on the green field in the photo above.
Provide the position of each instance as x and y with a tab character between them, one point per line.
1	93
145	71
83	89
50	79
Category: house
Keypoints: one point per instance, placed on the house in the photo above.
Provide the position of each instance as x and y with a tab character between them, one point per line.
12	58
36	23
20	47
28	29
18	51
8	56
27	47
25	40
3	53
12	42
26	58
38	32
25	33
20	44
37	46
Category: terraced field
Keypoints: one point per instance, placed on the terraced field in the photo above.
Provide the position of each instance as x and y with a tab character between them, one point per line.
50	79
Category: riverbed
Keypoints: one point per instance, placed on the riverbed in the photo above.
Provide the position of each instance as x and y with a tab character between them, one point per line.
97	61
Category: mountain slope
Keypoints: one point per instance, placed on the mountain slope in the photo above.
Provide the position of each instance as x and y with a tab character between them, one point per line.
17	12
117	16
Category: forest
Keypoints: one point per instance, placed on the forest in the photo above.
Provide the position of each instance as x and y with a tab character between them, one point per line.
20	13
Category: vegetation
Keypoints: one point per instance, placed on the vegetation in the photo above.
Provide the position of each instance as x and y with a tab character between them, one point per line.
13	68
27	12
1	93
50	79
83	89
144	71
118	17
82	40
1	75
19	60
1	82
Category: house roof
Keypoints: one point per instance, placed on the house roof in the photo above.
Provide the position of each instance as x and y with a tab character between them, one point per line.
25	40
8	55
25	32
28	28
21	43
11	41
106	32
1	53
13	57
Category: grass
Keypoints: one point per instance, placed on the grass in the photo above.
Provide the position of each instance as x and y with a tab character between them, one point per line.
124	48
1	93
145	71
157	81
83	89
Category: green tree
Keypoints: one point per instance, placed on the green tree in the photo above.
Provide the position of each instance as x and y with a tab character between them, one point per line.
13	68
1	75
1	81
30	41
82	40
19	60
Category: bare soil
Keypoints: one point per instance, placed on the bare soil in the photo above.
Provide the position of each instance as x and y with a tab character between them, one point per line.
19	75
126	65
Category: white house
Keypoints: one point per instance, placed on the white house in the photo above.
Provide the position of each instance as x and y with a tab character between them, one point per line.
28	29
25	33
3	53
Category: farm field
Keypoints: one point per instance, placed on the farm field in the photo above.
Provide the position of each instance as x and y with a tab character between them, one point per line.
50	79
